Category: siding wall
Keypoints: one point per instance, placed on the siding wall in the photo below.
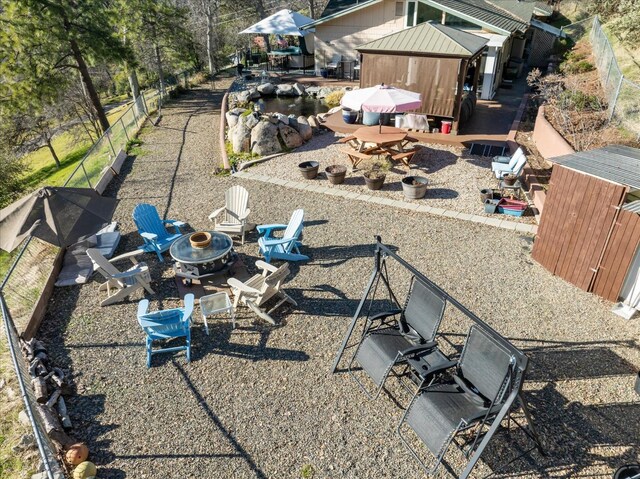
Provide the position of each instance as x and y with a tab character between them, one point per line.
342	35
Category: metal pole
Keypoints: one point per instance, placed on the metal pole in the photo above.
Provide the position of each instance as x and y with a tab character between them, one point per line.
615	99
86	176
106	135
124	128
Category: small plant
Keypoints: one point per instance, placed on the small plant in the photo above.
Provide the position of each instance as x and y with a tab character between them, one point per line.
580	101
581	66
374	174
333	98
132	144
307	471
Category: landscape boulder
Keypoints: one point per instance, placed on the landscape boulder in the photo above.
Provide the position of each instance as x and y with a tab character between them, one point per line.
254	94
264	139
282	118
232	116
290	137
312	121
302	126
299	88
241	137
267	89
243	96
293	121
286	90
251	120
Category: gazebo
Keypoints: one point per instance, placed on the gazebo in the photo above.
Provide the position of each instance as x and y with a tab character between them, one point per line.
432	59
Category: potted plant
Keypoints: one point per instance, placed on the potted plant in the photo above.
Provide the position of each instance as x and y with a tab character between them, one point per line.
374	178
486	194
509	179
414	187
309	169
336	174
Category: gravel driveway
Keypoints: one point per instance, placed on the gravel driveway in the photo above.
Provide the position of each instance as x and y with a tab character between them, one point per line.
259	401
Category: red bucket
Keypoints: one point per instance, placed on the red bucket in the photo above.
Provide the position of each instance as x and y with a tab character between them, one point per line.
446	127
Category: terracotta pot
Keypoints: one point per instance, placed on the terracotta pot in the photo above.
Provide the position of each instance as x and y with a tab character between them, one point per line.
414	187
309	169
336	174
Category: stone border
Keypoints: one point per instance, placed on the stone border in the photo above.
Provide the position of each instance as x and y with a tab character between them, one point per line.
298	185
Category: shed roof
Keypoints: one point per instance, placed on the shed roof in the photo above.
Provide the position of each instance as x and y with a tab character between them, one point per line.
506	16
616	163
428	39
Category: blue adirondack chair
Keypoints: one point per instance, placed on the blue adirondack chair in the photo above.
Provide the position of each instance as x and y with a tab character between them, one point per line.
157	239
286	246
166	324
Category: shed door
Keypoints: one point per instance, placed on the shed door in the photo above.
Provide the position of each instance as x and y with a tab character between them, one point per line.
577	219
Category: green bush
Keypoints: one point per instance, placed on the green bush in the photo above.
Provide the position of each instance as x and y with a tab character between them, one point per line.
579	101
562	46
581	66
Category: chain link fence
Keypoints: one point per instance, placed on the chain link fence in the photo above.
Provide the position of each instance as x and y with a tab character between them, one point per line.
23	285
623	95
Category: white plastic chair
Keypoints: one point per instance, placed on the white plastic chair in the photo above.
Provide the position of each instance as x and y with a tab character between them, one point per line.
236	211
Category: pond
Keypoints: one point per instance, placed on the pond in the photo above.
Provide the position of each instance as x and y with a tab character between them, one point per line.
299	106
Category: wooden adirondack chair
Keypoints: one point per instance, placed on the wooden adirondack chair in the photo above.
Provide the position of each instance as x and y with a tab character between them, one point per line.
153	230
166	324
258	289
121	283
236	211
286	247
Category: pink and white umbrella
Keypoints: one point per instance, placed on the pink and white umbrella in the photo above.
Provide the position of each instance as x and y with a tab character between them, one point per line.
381	99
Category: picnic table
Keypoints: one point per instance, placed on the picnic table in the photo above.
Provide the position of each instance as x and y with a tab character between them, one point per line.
385	141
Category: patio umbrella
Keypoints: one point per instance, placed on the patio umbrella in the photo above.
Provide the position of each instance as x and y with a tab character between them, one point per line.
60	216
284	22
381	99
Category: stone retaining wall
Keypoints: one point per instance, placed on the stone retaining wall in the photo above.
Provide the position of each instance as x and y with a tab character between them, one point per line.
548	141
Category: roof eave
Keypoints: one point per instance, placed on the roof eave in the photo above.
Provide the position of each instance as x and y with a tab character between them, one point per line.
419	54
468	18
341	13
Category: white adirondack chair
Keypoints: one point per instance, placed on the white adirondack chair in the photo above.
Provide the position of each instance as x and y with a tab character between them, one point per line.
119	285
236	211
257	290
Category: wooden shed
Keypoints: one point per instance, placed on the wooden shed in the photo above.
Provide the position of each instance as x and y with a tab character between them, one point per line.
590	228
432	59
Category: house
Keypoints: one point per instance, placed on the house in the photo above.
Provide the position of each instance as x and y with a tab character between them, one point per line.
514	30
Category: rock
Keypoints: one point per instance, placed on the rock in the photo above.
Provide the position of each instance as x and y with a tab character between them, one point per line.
232	116
282	118
290	137
293	121
286	90
23	418
324	91
243	96
267	89
313	121
251	120
254	94
312	90
27	441
241	139
303	128
264	139
299	88
11	394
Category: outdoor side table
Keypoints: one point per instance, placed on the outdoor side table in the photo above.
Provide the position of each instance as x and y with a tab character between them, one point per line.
214	304
515	189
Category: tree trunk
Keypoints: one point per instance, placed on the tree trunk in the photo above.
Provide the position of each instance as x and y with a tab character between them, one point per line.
156	50
312	12
88	83
210	40
135	90
53	152
263	14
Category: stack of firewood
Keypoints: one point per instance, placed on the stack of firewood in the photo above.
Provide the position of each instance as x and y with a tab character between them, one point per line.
49	386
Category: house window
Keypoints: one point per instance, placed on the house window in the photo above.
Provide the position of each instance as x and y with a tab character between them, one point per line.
458	22
411	14
399	9
426	13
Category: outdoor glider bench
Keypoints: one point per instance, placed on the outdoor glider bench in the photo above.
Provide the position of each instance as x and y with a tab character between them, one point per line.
473	391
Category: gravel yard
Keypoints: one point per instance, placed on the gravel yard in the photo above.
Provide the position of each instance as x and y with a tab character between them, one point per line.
259	401
455	177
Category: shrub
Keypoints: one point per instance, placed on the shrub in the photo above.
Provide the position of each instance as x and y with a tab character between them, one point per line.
580	101
199	77
581	66
333	98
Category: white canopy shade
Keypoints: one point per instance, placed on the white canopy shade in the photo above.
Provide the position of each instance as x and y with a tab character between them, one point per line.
381	99
284	22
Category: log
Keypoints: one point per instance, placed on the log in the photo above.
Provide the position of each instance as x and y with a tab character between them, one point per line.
39	389
37	368
54	398
49	419
64	414
27	349
58	377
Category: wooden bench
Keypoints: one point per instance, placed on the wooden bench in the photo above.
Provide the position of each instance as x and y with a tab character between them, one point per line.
347	139
404	156
356	157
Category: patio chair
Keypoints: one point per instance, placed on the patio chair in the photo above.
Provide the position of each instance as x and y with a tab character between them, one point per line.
334	64
166	324
236	211
510	160
286	247
121	283
483	387
259	289
153	230
515	166
409	339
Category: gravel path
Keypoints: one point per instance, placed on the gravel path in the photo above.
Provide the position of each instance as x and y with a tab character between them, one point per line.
455	177
259	401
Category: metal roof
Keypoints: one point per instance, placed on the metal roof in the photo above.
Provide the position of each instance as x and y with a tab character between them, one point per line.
634	206
494	15
338	8
616	163
428	39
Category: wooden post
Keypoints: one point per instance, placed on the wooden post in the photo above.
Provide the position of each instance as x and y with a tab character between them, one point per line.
456	107
223	122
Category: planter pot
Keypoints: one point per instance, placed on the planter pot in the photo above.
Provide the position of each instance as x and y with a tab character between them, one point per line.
414	187
349	116
374	183
324	73
336	174
370	118
486	194
309	169
490	206
638	383
509	179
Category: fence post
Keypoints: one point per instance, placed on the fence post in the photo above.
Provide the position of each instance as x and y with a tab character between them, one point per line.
124	128
144	102
106	134
615	98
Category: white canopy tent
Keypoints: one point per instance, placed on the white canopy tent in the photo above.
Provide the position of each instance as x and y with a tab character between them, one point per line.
284	22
